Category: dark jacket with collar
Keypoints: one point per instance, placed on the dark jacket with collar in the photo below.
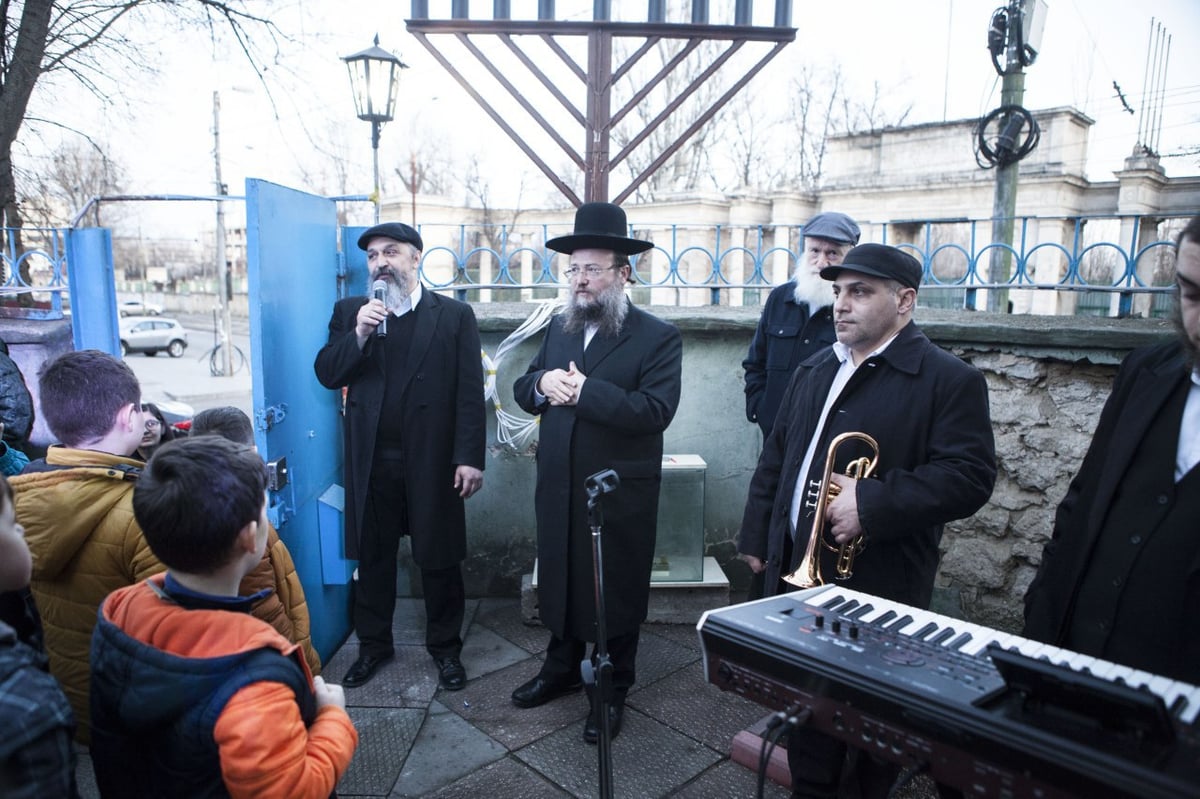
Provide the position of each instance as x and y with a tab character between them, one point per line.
1145	383
928	411
788	333
628	399
442	414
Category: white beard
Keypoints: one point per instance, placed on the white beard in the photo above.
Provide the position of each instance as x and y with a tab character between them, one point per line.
811	289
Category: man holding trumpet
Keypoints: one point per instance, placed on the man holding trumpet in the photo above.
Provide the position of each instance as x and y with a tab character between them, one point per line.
928	412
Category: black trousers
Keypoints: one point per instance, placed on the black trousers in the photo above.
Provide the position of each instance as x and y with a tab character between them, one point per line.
563	656
385	521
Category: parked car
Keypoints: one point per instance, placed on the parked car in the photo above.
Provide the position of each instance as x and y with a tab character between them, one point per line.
152	335
177	414
139	308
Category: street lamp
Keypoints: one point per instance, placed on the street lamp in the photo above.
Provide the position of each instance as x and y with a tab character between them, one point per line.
375	78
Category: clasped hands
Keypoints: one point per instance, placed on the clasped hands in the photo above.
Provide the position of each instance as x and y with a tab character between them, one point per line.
562	386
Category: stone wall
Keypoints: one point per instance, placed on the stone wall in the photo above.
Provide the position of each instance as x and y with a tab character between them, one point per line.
1048	379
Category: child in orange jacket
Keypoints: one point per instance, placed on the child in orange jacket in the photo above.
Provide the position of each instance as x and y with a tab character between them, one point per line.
191	695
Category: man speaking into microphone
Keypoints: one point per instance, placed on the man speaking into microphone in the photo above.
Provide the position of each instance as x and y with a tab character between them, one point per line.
414	445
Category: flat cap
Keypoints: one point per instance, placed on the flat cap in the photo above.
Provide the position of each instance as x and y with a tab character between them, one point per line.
833	226
880	260
393	230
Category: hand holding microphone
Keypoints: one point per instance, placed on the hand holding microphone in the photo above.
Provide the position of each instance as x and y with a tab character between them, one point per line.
379	292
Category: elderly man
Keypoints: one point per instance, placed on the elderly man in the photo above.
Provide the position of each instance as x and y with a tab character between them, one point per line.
927	410
1120	578
796	321
414	440
606	384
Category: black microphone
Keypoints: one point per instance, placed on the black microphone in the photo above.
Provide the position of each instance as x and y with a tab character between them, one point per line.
379	291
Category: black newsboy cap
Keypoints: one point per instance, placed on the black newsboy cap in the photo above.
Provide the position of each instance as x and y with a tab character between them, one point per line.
880	260
393	230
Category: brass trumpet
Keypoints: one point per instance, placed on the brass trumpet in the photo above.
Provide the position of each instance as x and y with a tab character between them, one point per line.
808	573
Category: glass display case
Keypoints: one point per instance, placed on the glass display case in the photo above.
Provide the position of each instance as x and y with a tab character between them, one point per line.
679	549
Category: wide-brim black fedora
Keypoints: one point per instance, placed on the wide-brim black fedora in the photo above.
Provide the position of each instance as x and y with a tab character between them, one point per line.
599	226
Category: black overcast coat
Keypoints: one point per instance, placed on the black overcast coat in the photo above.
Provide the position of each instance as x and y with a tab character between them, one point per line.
928	411
1159	632
630	396
443	417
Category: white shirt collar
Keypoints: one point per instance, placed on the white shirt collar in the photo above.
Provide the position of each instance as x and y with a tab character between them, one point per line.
411	302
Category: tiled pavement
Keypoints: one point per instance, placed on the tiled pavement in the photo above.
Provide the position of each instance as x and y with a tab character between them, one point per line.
416	740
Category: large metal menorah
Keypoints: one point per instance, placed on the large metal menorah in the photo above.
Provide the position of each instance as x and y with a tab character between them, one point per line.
597	118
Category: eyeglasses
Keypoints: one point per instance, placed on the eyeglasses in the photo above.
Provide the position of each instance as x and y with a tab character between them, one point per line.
152	423
591	271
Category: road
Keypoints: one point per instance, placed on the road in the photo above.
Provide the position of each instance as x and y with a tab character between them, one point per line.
188	379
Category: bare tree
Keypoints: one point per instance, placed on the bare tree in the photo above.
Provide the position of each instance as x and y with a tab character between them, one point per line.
692	166
84	40
74	174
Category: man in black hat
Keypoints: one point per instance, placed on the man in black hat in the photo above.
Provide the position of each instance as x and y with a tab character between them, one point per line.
606	384
797	321
928	412
414	445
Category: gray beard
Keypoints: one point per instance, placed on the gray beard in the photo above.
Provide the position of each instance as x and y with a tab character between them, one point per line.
811	290
607	313
397	293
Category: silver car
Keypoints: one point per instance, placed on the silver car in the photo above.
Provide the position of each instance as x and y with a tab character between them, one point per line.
139	308
152	335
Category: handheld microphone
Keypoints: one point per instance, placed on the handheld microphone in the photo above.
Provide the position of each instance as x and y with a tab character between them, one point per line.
379	292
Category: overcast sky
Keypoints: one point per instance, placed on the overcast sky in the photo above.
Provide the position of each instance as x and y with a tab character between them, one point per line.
929	55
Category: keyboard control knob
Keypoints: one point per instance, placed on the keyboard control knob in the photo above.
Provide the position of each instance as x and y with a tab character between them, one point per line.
836	626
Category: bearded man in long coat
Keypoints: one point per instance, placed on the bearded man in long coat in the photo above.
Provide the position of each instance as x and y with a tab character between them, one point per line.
606	384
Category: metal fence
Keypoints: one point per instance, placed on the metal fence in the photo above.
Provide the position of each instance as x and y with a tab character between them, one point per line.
1100	265
1087	265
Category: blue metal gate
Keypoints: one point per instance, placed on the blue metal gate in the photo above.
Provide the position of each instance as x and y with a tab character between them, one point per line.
293	272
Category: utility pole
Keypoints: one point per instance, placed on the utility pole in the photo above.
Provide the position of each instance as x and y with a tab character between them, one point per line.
1004	204
1015	33
225	289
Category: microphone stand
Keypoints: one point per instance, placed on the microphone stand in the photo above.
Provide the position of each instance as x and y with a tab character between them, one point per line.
599	676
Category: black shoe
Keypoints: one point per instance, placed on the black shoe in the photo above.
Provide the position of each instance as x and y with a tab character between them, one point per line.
451	674
539	691
591	728
363	669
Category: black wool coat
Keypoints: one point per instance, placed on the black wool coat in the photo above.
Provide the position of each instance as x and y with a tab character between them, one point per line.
443	419
928	411
627	401
1159	634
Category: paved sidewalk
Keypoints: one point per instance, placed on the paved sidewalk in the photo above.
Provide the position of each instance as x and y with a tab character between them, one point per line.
417	740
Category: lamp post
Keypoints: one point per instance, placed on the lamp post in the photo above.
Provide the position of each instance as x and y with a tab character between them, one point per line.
375	78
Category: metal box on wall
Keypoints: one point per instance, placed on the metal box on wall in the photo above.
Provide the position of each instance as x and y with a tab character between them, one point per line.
679	548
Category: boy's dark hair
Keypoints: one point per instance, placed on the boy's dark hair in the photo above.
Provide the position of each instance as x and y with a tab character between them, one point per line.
193	498
227	421
81	393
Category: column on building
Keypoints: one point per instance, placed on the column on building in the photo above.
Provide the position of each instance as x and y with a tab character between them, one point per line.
749	215
1142	182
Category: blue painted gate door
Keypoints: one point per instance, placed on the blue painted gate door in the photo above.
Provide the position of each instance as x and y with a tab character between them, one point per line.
293	267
